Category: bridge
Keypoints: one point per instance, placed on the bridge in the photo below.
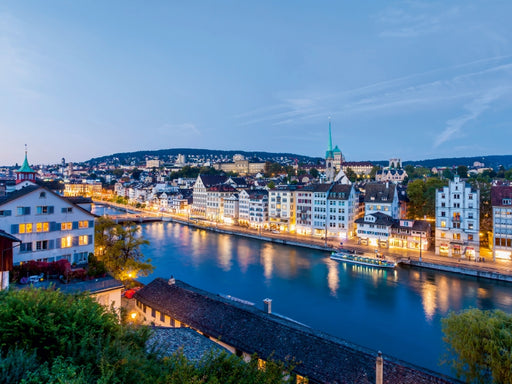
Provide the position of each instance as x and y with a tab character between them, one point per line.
136	218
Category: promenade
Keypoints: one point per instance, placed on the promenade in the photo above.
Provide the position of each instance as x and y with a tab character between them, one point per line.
499	269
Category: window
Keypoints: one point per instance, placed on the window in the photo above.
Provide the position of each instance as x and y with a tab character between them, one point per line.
41	245
83	240
443	214
66	226
470	196
44	209
456	236
26	247
26	228
507	201
470	237
42	227
470	225
83	224
443	224
23	211
42	194
67	210
5	213
66	242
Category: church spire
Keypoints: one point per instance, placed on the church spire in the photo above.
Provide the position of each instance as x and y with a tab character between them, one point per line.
330	137
25	172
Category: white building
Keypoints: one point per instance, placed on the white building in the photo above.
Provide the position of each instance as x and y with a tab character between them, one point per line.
501	200
304	211
231	209
342	205
253	208
319	214
381	198
49	226
374	229
215	197
200	192
457	220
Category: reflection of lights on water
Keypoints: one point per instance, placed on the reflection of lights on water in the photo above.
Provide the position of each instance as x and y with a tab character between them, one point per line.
267	260
428	295
482	293
224	252
333	278
244	257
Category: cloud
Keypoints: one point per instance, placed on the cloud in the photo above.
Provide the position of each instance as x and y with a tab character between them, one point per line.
476	108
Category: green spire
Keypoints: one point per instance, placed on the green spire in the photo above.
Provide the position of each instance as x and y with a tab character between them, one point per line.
25	167
328	153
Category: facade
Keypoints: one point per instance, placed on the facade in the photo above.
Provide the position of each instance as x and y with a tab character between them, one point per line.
501	201
49	226
374	229
391	175
83	189
381	197
281	209
319	214
411	234
231	209
241	166
361	168
342	205
253	208
200	194
6	247
215	197
457	220
304	210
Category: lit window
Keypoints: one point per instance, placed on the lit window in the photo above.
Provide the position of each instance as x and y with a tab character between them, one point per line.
443	224
66	242
83	240
66	226
42	227
83	224
26	228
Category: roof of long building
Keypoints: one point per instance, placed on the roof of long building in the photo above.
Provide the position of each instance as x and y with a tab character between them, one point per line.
319	356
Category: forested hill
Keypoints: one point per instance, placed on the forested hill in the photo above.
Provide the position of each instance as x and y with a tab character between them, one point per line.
493	161
165	154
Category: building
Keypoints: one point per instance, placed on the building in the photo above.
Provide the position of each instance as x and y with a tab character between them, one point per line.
253	208
49	226
319	215
374	229
333	159
392	173
304	210
382	198
241	166
501	201
342	204
85	188
361	168
410	234
231	209
6	262
281	208
245	330
199	194
457	220
215	196
25	173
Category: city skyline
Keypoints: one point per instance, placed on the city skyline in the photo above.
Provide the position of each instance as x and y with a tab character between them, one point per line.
414	80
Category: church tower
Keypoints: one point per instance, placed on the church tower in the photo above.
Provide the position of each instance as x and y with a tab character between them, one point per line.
329	159
25	173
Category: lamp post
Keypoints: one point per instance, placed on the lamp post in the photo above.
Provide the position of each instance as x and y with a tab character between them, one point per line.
421	241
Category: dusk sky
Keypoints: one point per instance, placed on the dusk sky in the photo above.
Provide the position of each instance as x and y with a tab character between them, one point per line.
411	79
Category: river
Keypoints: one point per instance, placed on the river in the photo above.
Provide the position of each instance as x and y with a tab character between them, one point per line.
396	311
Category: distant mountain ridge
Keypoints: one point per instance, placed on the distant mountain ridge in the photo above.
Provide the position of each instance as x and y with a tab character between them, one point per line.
162	153
492	161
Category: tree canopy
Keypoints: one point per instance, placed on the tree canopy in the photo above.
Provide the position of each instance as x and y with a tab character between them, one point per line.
422	197
480	345
118	246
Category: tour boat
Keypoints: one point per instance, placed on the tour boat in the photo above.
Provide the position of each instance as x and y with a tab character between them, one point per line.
354	258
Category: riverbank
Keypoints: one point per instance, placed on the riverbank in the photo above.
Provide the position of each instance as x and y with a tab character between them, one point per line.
495	270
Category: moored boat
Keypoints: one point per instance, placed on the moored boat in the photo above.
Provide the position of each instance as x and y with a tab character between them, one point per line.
354	258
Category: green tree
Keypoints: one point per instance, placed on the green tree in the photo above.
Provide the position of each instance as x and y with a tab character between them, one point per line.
431	185
462	171
271	185
416	194
118	173
118	247
448	174
351	175
136	173
314	173
480	345
374	170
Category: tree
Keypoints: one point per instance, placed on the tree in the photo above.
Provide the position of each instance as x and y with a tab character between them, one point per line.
118	247
271	185
462	171
118	173
448	174
480	344
351	175
136	173
374	170
431	186
416	194
314	173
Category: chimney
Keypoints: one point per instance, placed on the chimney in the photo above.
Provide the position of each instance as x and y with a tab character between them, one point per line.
387	184
379	371
171	281
267	305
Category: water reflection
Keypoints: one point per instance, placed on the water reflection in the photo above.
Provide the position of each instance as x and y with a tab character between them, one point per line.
365	305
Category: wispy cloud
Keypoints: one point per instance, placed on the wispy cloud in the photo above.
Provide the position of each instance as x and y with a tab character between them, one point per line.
474	110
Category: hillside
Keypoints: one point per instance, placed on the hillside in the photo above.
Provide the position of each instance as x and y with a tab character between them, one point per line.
493	161
165	154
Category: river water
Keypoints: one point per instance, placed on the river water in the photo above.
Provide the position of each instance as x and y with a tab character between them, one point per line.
396	311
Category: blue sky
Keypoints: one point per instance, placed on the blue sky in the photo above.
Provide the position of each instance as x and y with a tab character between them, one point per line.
407	79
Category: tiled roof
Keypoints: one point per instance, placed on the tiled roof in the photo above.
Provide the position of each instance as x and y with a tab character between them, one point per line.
17	194
340	192
381	219
322	187
9	236
210	180
322	358
379	193
221	188
498	193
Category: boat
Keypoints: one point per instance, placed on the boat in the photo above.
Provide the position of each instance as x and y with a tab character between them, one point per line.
355	258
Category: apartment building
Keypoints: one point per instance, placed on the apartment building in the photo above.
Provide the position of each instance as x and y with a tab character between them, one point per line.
501	201
342	205
281	211
381	197
253	208
457	220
